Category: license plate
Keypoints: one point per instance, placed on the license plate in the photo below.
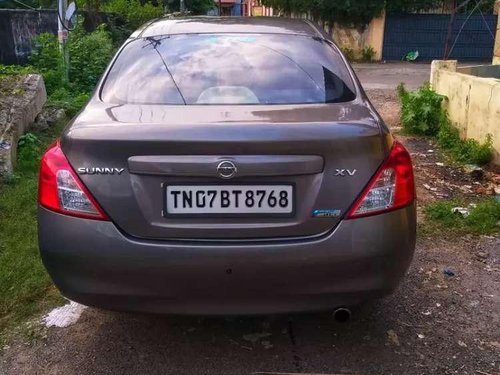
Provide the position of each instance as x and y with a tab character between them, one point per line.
229	199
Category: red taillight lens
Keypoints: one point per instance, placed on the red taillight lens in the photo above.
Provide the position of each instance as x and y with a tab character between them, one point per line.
391	188
60	189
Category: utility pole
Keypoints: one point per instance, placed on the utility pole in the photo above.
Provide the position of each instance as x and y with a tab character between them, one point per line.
62	35
182	6
220	8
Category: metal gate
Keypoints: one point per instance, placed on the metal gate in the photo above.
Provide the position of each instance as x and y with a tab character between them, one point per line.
472	38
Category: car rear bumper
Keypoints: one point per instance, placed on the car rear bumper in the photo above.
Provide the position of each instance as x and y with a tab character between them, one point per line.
94	263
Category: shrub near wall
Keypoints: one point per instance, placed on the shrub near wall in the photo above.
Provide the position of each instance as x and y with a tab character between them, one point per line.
420	110
89	54
473	105
422	114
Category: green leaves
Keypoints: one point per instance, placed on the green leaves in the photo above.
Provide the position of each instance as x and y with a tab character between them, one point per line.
409	6
420	110
422	114
69	101
483	216
134	12
46	59
347	11
367	54
89	55
464	150
195	7
350	11
29	151
360	11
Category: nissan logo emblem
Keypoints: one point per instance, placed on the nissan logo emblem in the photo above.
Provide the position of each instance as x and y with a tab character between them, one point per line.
226	169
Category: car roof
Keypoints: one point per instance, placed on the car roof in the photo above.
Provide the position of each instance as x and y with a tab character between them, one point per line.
217	25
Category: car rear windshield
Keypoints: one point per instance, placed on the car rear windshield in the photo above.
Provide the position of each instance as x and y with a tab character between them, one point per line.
228	69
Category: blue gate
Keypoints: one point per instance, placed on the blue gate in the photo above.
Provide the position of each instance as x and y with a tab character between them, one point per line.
472	39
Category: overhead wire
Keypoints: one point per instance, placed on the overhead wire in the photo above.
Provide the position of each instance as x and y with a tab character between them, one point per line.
478	3
486	22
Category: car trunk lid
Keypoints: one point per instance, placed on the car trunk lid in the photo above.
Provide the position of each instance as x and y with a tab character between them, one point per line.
327	153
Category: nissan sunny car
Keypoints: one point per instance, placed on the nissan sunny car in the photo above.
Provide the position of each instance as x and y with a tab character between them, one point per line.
227	166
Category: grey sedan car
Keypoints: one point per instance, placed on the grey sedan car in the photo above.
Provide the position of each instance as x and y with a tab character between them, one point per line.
227	166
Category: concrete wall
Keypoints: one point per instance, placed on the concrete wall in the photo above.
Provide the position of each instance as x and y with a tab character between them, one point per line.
355	38
496	50
358	38
485	71
20	103
18	28
473	102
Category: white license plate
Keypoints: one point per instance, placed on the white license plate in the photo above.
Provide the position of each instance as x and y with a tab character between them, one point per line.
229	199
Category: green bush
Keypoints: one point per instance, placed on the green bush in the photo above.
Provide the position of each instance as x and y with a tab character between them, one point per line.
70	102
421	111
89	54
367	54
134	11
46	60
28	151
422	114
119	29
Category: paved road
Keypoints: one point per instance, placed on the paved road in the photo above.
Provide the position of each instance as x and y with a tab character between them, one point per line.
434	324
389	75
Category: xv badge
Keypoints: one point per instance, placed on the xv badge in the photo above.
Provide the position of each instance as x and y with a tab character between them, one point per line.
345	172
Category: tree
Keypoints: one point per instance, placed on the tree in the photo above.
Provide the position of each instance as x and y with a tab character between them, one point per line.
346	11
410	6
196	7
362	11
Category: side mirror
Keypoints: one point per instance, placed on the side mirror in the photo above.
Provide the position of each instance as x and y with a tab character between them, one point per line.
71	13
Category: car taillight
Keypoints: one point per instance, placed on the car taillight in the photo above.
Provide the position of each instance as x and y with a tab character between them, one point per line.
60	189
391	188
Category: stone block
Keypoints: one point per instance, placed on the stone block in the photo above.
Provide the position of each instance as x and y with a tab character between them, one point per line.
21	100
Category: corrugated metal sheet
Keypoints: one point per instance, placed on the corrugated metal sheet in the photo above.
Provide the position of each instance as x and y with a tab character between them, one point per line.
426	33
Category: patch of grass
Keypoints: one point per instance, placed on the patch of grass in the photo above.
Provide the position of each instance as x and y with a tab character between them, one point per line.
8	70
463	150
71	103
26	288
484	216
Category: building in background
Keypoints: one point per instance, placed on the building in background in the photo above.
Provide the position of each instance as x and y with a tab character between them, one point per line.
240	8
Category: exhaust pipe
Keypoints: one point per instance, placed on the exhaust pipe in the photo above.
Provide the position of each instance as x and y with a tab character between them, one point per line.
342	314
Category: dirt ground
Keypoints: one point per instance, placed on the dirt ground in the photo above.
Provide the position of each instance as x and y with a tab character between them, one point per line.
444	319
